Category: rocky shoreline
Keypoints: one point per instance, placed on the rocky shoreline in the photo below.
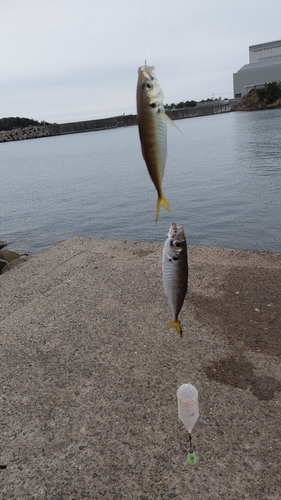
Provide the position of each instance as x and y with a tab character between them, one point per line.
253	102
10	259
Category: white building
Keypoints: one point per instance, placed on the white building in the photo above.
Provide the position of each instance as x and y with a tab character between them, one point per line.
264	67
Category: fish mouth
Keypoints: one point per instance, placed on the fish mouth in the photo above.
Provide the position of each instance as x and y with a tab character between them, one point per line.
147	72
176	232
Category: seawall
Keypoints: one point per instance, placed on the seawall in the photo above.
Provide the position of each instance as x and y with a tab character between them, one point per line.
201	110
105	123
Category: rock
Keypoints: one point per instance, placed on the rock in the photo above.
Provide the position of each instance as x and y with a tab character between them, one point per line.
14	263
2	244
17	134
2	264
9	255
252	102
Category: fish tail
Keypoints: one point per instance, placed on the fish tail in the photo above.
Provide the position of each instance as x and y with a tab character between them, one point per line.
161	202
175	323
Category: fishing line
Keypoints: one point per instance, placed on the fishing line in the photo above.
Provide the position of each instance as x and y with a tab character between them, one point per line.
191	456
146	39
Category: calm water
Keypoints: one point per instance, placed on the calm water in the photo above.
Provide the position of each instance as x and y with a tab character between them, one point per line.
222	181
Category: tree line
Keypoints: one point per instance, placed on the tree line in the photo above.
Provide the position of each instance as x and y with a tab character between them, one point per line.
17	122
181	104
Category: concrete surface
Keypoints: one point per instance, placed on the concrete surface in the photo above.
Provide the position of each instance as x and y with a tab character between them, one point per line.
89	375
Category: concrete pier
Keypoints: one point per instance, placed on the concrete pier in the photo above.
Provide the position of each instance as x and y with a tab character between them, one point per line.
89	375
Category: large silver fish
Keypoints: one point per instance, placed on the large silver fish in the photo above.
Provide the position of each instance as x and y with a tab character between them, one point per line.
175	273
152	121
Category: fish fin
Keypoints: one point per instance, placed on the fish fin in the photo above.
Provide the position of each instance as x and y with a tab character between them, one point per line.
161	202
175	323
168	120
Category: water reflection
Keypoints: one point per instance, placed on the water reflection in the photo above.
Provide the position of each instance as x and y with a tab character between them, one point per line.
259	141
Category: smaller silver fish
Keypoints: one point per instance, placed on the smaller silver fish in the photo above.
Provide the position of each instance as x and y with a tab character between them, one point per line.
175	273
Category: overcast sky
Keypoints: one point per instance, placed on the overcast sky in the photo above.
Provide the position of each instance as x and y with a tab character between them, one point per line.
71	60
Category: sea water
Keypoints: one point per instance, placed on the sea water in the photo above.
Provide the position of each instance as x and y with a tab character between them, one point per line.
222	180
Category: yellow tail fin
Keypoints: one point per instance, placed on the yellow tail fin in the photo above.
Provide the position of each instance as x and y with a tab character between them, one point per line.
175	323
161	202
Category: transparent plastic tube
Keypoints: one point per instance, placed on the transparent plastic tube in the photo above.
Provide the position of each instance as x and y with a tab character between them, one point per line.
187	396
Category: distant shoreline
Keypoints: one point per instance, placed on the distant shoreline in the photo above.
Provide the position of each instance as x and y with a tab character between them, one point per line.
34	132
250	102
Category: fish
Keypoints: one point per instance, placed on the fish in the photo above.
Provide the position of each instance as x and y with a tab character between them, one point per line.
152	124
175	273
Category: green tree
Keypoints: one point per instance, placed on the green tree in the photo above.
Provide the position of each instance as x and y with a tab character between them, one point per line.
270	92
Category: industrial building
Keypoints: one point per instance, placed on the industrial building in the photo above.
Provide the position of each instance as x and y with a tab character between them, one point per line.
264	67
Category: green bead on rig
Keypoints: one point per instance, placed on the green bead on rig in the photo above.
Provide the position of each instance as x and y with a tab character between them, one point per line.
192	458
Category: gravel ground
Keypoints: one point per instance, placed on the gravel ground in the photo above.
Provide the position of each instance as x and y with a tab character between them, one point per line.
89	375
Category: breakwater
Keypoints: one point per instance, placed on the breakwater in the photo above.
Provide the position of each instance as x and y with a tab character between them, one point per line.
19	134
33	132
201	110
92	125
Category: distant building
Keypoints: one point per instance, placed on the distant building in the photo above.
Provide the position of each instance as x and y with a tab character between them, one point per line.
264	67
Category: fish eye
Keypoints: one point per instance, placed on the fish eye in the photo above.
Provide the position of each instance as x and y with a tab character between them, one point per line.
147	85
178	245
